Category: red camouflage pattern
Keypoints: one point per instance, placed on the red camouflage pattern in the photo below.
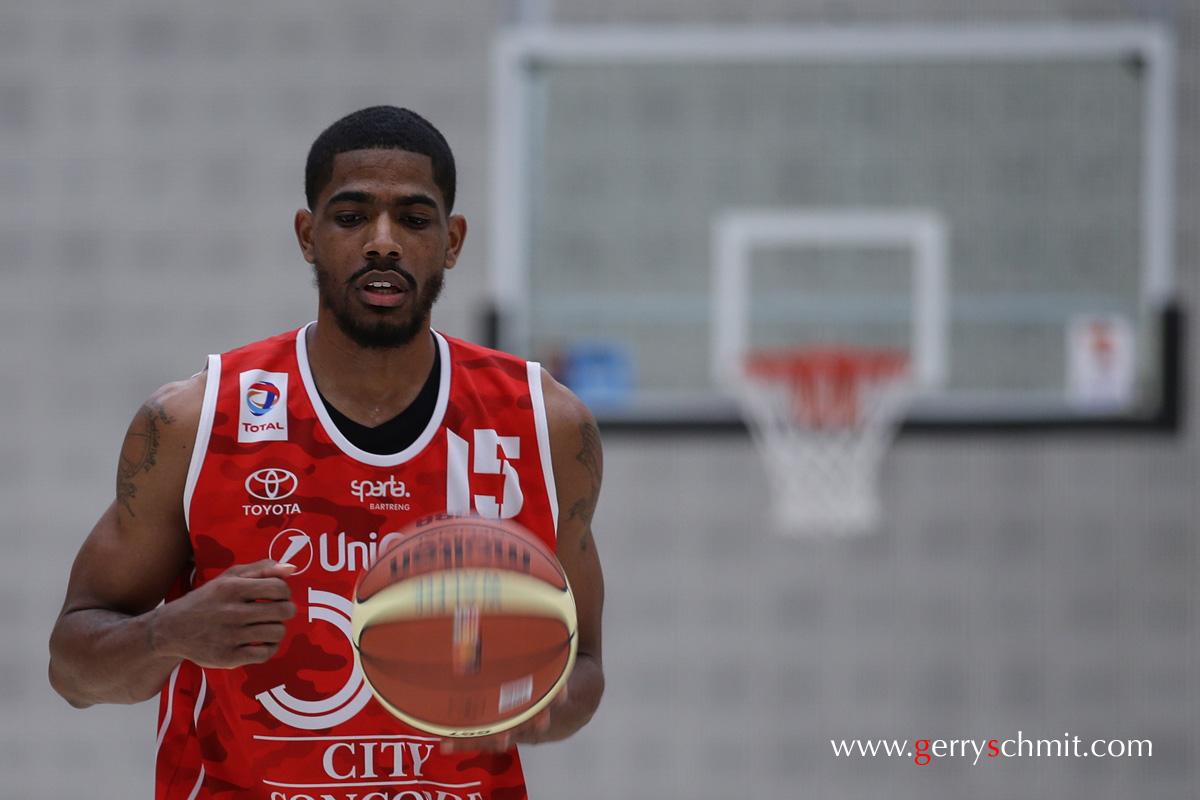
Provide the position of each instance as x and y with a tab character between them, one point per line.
303	726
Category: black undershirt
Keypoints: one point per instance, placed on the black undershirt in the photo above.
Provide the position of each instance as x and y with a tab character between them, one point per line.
401	430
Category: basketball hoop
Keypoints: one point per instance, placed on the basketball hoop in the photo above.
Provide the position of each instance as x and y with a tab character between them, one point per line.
822	417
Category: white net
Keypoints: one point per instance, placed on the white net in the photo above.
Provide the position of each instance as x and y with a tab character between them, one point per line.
822	420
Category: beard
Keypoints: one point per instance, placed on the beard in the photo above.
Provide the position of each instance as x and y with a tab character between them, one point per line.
378	329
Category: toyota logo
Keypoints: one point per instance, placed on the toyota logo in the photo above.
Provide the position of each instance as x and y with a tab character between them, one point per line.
271	484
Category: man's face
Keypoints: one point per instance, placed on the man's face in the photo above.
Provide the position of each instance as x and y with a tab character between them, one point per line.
380	241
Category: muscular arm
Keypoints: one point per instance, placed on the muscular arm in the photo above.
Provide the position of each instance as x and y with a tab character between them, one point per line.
578	468
113	641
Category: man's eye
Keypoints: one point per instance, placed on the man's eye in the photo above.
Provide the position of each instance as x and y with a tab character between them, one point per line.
347	219
416	222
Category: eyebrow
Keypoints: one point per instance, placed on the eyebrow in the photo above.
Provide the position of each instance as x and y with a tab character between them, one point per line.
357	196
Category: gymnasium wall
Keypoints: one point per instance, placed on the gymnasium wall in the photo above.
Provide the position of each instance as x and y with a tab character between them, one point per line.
151	159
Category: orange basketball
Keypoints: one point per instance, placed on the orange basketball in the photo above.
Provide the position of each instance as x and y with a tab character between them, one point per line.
464	626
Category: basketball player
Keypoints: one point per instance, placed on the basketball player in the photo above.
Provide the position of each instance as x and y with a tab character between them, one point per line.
250	495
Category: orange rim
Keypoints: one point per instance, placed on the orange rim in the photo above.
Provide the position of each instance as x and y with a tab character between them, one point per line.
825	383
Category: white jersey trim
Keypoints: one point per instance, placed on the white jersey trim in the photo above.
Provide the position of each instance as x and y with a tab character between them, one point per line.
195	725
199	784
542	426
208	413
344	444
166	723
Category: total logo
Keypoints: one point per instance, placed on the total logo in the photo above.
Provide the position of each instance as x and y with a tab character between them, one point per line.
330	552
271	485
261	397
263	416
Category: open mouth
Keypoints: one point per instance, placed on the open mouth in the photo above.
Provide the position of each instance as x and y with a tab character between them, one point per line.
382	287
384	292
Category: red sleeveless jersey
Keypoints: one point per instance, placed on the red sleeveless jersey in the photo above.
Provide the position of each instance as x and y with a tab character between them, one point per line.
272	477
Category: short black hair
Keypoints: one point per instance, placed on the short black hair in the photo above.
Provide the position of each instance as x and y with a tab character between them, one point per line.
383	127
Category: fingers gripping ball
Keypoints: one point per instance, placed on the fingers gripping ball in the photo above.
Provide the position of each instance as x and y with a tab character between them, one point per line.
465	626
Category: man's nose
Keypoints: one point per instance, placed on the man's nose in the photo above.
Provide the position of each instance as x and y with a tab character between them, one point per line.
383	242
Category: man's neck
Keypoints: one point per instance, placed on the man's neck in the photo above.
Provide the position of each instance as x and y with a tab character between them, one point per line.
368	385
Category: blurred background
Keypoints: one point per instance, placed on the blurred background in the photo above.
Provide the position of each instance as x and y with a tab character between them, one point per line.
1033	578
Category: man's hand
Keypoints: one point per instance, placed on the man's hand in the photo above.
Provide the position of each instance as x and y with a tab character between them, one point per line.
234	619
531	731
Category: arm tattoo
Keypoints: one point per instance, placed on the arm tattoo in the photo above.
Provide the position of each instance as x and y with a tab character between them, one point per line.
589	456
140	451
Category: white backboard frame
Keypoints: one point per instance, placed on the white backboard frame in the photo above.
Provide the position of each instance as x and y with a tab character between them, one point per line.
516	114
736	233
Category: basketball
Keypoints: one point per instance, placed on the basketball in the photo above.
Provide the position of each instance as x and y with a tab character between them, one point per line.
464	626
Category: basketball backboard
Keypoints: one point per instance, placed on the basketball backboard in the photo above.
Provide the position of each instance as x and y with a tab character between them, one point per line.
636	170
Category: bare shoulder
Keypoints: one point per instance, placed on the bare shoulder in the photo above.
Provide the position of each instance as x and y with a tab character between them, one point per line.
158	444
577	452
562	406
181	400
140	543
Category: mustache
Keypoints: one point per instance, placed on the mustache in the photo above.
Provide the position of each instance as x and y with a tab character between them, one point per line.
403	273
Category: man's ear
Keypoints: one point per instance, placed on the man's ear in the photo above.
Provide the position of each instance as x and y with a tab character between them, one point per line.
304	230
456	228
